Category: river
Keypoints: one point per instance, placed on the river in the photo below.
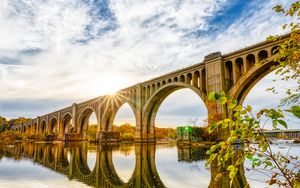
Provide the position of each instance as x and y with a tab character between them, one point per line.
123	165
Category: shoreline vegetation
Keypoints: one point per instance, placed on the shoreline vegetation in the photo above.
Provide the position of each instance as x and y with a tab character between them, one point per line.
188	136
193	136
127	135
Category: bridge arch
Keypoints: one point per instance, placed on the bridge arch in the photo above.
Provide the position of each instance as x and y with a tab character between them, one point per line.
83	121
24	129
110	114
43	126
65	123
152	105
34	128
243	86
81	160
53	125
250	61
29	128
109	171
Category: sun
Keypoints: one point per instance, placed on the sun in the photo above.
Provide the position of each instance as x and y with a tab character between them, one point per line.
109	83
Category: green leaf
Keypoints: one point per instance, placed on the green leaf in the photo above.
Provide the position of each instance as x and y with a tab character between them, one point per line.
217	96
268	163
211	96
260	155
224	125
296	111
212	127
230	168
223	100
238	108
283	123
249	108
227	120
231	106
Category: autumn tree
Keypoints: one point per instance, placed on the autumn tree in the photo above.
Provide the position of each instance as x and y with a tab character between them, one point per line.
246	128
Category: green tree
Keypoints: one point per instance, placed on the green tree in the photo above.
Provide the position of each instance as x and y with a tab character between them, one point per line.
92	133
246	128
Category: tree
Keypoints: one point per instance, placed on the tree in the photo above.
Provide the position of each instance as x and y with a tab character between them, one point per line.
246	128
92	133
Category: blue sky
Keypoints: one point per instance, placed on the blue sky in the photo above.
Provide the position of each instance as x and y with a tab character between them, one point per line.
54	53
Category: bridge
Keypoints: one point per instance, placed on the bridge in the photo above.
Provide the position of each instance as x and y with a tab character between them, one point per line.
235	73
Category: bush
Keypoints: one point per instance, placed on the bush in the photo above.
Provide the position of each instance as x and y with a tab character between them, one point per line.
128	137
92	133
9	137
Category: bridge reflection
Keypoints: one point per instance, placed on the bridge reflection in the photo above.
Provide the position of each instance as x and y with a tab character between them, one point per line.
71	160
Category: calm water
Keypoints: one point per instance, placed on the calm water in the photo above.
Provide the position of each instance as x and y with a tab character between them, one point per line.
86	165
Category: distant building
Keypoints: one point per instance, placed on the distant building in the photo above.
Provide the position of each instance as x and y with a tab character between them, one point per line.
188	133
184	133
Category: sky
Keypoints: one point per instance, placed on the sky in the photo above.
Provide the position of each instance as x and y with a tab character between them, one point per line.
54	53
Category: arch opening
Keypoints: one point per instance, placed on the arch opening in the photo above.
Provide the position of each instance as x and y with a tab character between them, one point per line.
53	126
124	122
175	112
229	74
250	60
29	129
203	80
240	67
182	78
152	107
189	78
88	125
275	49
92	157
66	124
43	127
262	55
123	159
34	128
196	79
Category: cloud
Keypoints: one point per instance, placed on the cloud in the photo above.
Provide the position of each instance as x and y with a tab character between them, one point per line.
30	107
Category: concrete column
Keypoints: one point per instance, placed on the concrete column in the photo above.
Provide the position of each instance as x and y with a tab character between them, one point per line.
99	119
48	125
138	113
74	116
215	82
58	128
245	63
235	72
38	125
195	79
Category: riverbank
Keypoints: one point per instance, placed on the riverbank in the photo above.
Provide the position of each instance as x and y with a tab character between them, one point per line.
195	143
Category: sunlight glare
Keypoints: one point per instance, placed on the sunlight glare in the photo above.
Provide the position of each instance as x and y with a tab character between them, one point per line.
111	82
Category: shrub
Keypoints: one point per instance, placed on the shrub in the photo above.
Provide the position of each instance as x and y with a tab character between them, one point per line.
92	133
9	137
128	137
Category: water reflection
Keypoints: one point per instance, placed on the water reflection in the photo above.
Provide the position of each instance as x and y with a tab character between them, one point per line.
107	165
124	161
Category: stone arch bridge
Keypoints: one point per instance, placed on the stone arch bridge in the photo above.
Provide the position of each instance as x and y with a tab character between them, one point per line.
235	73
